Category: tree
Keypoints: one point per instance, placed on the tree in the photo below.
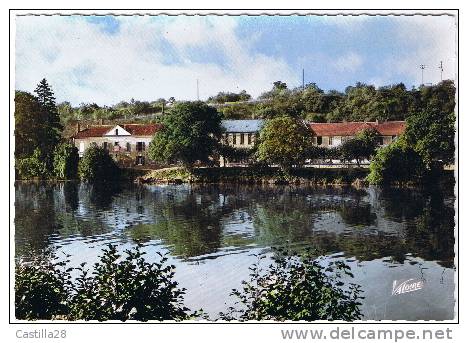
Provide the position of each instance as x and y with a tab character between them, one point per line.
361	147
53	127
97	165
432	135
33	166
29	124
66	160
190	132
396	163
284	141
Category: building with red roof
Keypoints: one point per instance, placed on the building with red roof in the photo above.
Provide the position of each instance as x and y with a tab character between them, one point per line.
127	143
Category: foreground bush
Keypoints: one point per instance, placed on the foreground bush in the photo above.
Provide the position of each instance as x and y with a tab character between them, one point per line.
97	165
119	288
297	287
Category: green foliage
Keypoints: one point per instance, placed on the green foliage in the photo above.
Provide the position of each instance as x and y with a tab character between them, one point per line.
396	163
29	124
237	111
119	287
97	165
66	160
223	97
360	147
297	287
190	133
432	136
52	126
33	166
41	288
284	141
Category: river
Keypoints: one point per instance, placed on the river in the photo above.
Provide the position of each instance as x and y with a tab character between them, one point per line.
212	231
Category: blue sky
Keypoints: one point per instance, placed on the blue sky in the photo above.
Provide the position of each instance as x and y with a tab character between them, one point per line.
106	59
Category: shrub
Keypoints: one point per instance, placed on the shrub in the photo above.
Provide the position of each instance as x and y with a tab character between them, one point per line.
97	165
297	287
396	163
119	288
66	160
41	289
33	166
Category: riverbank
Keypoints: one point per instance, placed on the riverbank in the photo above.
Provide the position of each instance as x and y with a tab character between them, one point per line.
256	175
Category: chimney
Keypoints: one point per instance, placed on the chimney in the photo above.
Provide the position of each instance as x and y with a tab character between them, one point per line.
77	127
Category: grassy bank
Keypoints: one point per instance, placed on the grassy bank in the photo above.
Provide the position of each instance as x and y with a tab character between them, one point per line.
256	175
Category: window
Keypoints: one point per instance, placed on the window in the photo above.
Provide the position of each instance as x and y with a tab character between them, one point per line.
129	147
116	132
140	146
319	140
105	146
116	143
380	140
330	140
249	138
242	139
234	139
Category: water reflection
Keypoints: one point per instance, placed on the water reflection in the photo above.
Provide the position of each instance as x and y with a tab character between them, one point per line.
211	231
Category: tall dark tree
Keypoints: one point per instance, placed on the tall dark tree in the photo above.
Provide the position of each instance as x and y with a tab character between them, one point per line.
29	120
52	125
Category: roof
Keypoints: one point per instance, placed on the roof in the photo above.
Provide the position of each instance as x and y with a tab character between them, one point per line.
389	128
133	129
249	125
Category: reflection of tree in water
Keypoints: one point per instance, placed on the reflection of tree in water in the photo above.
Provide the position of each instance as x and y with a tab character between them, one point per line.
34	217
47	212
200	220
190	227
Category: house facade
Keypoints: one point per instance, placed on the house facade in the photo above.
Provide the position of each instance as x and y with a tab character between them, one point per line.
333	134
127	143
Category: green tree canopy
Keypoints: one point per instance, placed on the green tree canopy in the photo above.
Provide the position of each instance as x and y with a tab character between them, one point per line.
29	124
284	141
66	160
53	127
97	165
190	133
432	135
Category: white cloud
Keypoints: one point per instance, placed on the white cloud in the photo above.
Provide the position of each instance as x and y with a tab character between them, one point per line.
83	64
429	40
350	62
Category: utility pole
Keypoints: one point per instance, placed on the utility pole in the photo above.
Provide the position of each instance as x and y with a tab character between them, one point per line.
422	66
441	67
303	83
198	92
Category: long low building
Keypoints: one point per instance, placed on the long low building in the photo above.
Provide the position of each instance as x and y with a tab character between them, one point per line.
128	143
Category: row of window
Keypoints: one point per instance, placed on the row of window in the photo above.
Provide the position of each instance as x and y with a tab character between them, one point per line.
329	140
140	146
243	138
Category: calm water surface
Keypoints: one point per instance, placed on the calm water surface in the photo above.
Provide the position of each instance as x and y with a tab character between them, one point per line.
211	233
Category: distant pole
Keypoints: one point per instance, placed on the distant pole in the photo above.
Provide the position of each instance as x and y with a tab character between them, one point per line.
441	67
198	91
163	103
303	79
422	66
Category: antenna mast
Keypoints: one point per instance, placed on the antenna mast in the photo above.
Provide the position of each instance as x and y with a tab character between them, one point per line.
441	67
198	91
422	66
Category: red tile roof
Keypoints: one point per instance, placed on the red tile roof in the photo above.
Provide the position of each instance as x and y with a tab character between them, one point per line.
390	128
133	129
